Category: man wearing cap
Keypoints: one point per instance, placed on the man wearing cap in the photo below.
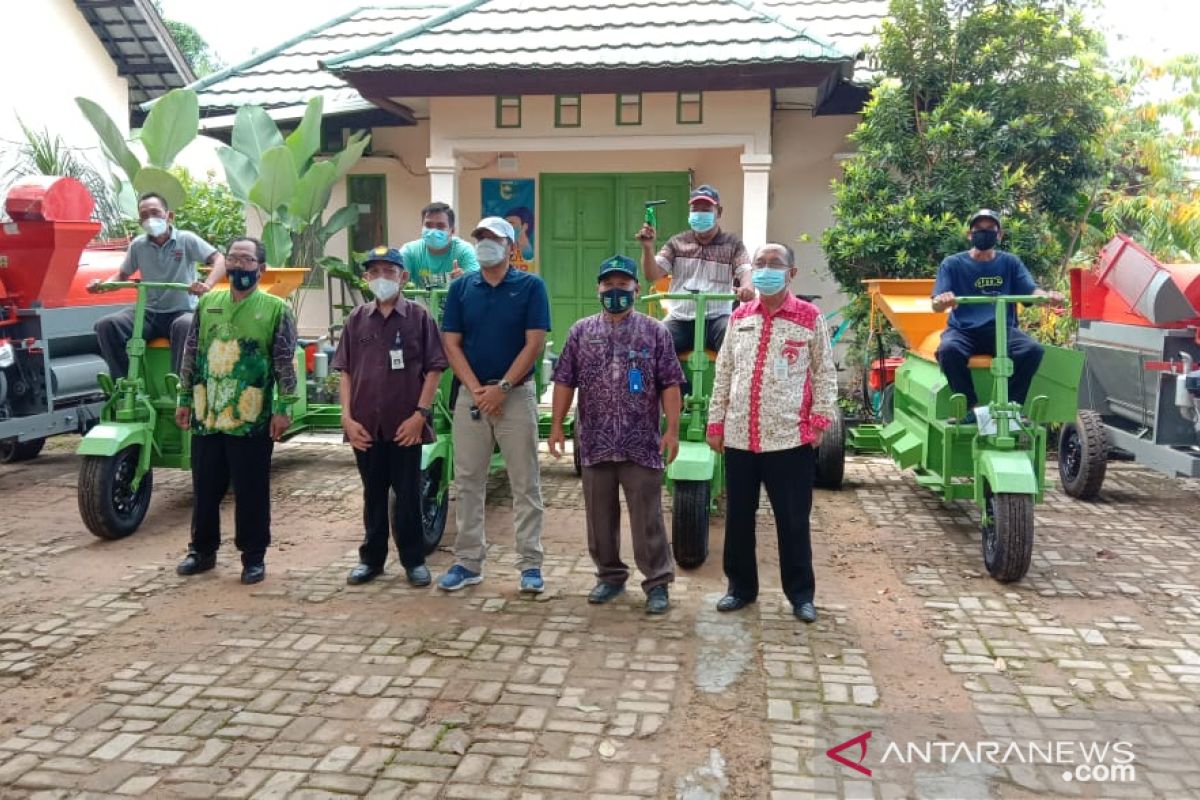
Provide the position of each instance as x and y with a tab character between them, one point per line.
439	256
625	367
494	328
972	328
703	259
390	356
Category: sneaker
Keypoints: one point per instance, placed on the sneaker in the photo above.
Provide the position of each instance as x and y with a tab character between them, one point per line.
457	577
969	419
657	601
603	592
531	581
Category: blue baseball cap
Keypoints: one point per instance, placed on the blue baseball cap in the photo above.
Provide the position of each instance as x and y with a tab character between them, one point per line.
705	192
621	264
383	253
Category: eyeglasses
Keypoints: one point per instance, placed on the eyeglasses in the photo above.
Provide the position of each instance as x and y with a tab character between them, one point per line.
240	260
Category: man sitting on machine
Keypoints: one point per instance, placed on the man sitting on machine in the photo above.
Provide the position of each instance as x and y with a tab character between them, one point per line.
983	270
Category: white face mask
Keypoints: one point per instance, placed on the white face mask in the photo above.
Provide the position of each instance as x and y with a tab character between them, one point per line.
490	252
154	226
384	288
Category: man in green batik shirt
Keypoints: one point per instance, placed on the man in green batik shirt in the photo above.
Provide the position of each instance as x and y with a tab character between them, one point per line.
236	385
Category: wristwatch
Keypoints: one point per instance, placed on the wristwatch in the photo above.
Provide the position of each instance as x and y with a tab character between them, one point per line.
425	412
505	386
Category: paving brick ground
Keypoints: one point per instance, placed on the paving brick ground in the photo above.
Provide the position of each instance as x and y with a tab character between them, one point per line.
120	679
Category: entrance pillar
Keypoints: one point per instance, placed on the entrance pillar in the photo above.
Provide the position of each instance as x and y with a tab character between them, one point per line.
443	179
756	198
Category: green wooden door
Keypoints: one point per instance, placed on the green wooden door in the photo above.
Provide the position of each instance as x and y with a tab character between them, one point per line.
587	218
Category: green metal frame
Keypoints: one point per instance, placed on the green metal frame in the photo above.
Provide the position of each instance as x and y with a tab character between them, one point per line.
558	107
640	105
500	98
679	120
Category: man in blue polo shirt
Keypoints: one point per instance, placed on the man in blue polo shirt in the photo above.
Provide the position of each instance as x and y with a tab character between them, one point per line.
972	328
494	327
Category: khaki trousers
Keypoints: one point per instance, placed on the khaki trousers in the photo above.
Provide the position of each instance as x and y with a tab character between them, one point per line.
602	484
516	431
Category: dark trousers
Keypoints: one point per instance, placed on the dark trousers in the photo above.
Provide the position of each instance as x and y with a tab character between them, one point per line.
957	347
114	331
683	332
217	460
788	475
388	467
602	485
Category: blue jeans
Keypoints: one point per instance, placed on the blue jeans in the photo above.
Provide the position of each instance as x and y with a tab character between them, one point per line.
957	347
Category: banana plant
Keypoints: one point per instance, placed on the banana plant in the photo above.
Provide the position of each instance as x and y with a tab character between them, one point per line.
171	125
281	178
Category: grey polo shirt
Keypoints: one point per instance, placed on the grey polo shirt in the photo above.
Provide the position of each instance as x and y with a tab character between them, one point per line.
172	262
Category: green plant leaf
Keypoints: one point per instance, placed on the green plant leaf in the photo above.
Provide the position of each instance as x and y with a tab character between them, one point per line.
306	139
353	151
276	181
159	181
254	133
342	218
112	141
171	126
240	172
127	199
312	193
278	241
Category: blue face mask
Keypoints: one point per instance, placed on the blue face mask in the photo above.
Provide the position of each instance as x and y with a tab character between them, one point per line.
769	281
702	221
435	238
243	279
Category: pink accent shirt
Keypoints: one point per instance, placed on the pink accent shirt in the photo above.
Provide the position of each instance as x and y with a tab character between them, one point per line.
776	385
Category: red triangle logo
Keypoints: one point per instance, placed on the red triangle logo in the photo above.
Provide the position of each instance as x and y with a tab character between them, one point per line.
835	753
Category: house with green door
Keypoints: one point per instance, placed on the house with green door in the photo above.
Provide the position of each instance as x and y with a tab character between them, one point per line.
568	117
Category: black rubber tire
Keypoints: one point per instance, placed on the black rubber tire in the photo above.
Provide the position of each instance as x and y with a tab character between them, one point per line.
1008	538
887	404
831	455
106	505
433	513
576	456
689	523
1083	456
13	451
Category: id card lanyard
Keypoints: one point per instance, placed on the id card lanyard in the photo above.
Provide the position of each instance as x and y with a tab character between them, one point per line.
397	352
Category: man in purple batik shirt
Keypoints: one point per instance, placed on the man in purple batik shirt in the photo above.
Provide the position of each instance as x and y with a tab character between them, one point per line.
625	368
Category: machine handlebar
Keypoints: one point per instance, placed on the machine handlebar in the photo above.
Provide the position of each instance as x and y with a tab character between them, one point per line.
112	286
991	299
687	296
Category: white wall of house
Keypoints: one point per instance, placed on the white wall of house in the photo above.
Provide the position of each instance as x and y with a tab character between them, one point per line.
49	56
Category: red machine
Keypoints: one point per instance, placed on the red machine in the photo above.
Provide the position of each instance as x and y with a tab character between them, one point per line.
49	357
1139	327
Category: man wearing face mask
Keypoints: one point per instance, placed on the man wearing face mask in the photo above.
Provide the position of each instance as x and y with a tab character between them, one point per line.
972	328
702	259
494	327
167	254
774	394
237	383
439	256
625	367
390	356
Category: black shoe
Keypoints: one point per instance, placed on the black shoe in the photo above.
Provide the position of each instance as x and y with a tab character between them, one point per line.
363	573
194	563
657	601
254	573
603	592
418	575
805	612
732	603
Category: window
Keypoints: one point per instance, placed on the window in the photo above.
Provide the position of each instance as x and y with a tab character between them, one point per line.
567	111
689	108
369	194
629	109
508	111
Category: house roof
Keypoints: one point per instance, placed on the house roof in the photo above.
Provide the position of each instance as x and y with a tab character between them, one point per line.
288	74
853	25
139	44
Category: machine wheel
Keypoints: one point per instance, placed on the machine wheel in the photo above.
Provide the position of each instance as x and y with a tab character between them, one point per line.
110	509
576	456
831	455
13	451
689	523
1083	456
1008	536
887	404
433	512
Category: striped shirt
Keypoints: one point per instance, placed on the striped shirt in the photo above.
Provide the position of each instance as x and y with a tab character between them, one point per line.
775	386
708	268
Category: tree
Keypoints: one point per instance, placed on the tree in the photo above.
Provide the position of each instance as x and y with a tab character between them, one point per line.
195	49
211	210
982	103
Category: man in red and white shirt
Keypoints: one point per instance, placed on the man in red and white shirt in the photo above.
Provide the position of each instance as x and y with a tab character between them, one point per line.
774	394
